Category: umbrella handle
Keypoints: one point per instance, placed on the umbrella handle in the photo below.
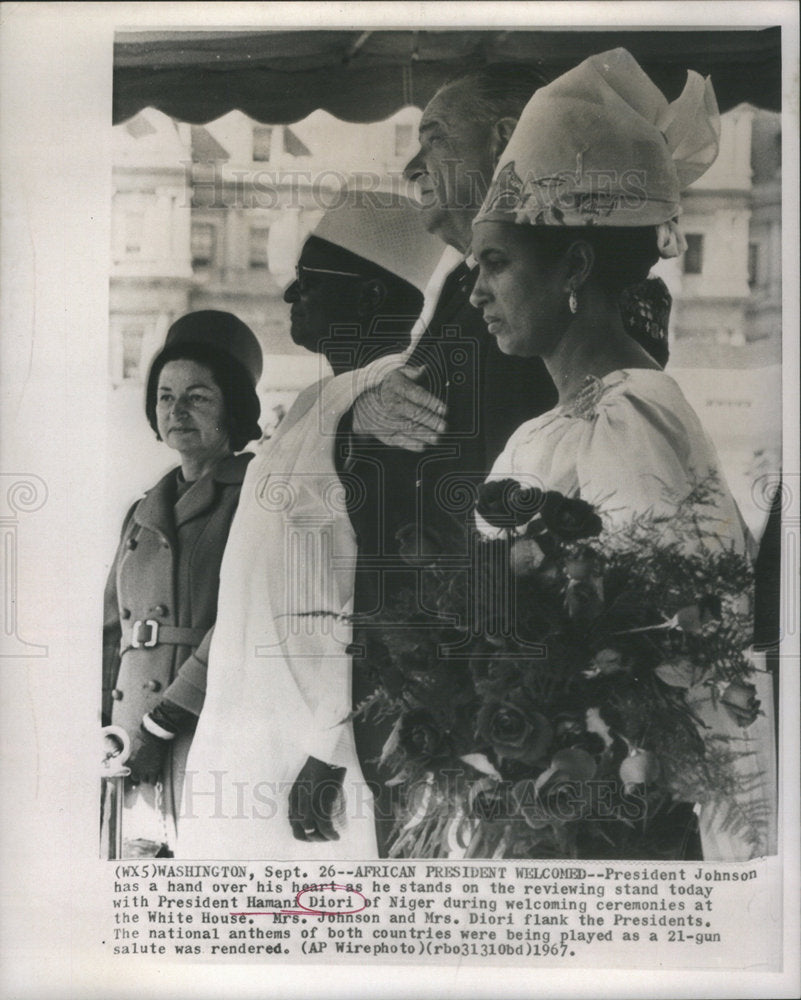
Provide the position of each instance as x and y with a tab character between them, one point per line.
113	793
116	750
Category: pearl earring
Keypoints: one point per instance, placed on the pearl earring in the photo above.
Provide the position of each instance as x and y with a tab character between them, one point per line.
573	301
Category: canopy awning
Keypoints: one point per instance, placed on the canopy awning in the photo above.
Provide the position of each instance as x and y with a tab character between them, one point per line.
279	77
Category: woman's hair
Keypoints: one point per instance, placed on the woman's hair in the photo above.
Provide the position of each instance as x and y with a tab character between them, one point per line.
242	406
623	255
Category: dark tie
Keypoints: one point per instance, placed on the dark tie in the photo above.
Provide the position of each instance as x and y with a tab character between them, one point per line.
452	297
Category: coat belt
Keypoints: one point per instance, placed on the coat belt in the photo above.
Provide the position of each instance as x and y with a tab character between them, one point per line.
149	633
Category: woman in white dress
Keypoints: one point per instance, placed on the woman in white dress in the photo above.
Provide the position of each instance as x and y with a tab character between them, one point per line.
583	202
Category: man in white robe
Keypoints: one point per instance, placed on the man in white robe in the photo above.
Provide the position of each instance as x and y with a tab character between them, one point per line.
272	771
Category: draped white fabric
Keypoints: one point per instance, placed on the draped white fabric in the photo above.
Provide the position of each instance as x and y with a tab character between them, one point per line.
279	681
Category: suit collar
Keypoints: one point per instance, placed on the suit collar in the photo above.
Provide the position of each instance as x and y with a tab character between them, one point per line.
158	509
231	470
454	296
202	494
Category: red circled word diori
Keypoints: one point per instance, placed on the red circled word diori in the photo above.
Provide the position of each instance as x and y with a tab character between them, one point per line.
305	911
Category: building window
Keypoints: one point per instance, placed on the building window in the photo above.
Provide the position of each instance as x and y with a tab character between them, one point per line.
403	139
753	264
258	247
204	240
132	337
694	254
262	138
134	228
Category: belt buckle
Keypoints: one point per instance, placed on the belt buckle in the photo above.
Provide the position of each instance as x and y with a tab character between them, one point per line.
152	640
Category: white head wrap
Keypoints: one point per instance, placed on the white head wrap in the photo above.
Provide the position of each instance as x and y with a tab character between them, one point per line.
602	146
385	228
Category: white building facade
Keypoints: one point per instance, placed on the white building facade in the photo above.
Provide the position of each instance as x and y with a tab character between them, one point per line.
727	287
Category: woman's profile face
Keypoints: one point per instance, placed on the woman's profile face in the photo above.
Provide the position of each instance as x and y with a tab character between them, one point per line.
190	410
520	297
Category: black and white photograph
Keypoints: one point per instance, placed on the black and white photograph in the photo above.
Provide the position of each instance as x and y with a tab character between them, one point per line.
401	484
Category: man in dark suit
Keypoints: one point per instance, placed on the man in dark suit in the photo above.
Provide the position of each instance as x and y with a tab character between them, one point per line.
432	431
436	425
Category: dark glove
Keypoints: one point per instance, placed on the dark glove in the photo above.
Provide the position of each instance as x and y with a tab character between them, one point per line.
148	754
149	750
315	799
173	718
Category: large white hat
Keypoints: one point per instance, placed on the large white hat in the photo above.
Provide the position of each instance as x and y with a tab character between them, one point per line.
602	146
385	228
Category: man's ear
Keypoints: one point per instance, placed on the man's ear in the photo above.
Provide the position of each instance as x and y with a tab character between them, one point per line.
500	136
579	260
372	293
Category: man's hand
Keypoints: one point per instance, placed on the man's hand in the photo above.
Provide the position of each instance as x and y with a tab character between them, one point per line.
148	754
399	412
315	799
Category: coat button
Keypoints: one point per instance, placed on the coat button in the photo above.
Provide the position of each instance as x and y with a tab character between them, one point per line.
160	609
116	694
152	686
132	543
125	613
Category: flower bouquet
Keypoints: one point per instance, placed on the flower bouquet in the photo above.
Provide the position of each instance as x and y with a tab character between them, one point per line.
542	686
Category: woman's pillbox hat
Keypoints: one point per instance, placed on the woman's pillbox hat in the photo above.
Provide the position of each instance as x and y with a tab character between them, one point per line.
601	146
221	330
386	229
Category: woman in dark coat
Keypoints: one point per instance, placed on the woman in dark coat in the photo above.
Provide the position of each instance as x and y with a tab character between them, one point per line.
161	596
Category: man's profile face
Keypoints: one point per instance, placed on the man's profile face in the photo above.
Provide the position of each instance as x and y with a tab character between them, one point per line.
453	167
321	299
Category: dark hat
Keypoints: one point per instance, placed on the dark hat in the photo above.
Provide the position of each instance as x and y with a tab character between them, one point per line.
222	331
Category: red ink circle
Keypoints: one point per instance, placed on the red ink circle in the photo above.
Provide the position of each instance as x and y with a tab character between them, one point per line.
329	888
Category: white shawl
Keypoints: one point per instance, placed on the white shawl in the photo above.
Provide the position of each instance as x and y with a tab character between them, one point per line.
279	673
